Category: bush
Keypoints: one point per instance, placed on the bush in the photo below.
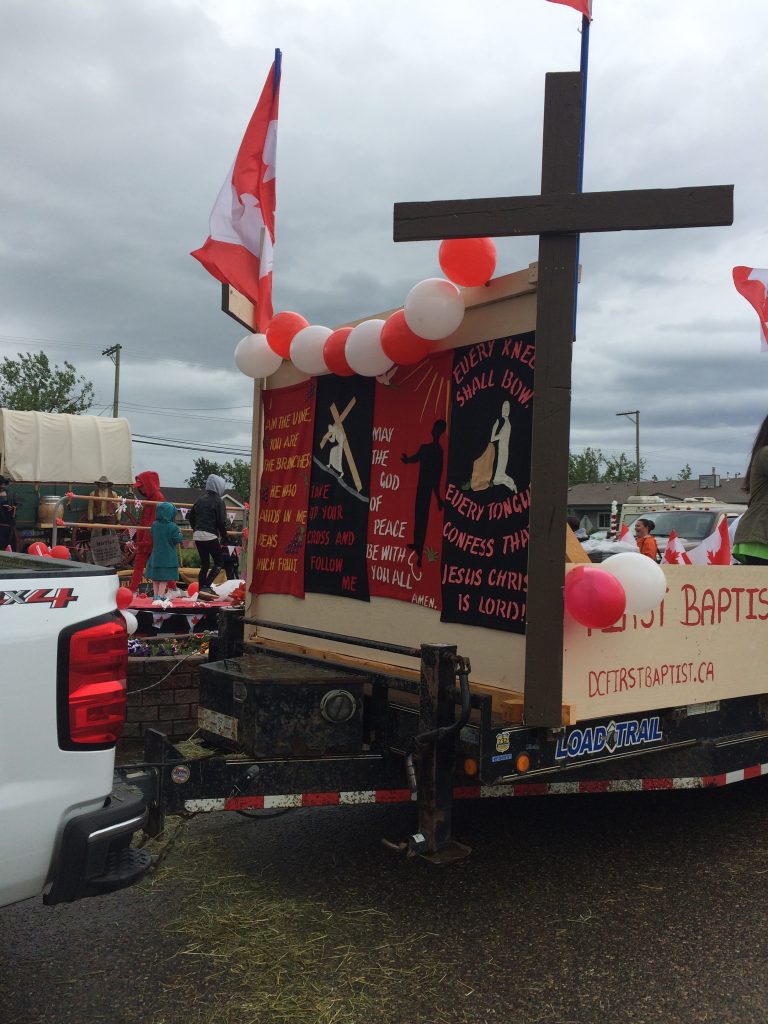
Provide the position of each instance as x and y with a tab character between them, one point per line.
190	558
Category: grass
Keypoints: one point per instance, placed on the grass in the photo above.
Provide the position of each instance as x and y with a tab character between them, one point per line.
273	957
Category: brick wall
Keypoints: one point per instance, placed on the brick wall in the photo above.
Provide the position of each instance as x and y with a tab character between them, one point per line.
169	705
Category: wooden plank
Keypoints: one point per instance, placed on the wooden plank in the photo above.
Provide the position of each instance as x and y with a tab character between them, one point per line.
238	307
497	694
565	213
574	550
513	712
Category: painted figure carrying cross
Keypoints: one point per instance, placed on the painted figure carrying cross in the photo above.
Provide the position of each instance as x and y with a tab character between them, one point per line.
557	216
337	435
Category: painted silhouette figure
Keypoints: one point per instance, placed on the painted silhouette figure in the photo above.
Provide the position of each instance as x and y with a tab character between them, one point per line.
500	435
430	460
336	454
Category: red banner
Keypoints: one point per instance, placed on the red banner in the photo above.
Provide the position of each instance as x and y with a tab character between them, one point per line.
408	482
278	563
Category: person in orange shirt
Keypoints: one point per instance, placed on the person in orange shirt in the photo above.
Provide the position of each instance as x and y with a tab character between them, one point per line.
646	544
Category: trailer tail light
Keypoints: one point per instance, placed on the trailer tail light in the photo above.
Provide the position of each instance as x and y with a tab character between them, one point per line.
97	674
522	763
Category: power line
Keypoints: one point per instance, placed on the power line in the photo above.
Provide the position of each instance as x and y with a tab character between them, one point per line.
194	408
192	448
195	446
127	408
190	440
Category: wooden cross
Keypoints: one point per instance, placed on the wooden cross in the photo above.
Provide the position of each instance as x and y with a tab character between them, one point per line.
338	420
557	216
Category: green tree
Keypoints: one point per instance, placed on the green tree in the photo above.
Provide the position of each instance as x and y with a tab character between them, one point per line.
237	474
203	468
685	473
31	383
621	469
585	468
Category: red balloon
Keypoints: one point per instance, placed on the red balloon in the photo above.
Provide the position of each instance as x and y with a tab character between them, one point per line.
124	597
281	330
400	344
333	352
60	551
468	261
38	548
193	589
592	598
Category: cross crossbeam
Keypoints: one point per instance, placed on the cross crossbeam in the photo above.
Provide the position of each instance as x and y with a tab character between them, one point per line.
630	210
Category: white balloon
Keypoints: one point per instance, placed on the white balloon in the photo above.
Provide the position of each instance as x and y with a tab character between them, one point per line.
643	580
255	358
363	349
434	308
131	621
307	350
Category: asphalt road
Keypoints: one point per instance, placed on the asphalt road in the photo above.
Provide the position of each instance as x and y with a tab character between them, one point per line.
625	908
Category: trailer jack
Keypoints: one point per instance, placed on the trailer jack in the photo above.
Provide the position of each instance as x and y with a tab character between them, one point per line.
432	759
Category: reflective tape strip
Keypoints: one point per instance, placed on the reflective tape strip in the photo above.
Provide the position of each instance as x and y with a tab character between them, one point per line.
506	789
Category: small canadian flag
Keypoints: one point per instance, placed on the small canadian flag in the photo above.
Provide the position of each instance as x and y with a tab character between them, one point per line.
626	536
715	549
675	553
582	6
752	283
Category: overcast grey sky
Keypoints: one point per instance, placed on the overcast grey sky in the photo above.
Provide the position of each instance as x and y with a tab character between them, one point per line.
120	119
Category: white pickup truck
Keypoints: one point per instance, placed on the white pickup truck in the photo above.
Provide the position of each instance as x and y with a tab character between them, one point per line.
65	827
692	519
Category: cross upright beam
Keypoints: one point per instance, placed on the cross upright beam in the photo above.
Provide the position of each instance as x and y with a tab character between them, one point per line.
557	216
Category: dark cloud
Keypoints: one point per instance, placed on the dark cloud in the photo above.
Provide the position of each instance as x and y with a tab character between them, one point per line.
120	121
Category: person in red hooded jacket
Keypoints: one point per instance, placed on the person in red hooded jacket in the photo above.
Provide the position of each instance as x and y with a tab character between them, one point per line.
147	486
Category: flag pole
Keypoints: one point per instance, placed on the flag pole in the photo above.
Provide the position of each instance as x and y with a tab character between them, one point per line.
278	67
583	67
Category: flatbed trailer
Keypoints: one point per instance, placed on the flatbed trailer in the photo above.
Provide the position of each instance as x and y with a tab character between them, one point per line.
404	707
366	674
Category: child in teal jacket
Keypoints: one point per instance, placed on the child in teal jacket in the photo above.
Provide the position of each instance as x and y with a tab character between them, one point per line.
163	565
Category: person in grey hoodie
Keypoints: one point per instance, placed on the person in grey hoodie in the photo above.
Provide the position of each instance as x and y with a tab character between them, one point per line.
208	519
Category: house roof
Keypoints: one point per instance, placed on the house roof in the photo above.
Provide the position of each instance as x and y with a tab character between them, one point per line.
729	491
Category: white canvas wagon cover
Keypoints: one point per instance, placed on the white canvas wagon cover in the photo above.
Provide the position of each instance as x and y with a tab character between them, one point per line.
36	446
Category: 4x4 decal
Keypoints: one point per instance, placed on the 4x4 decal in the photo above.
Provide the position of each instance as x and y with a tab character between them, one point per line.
58	598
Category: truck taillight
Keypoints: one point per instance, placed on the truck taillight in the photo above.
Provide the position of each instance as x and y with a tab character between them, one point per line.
96	683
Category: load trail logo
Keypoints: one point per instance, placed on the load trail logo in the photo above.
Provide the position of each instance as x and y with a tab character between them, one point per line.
59	598
609	738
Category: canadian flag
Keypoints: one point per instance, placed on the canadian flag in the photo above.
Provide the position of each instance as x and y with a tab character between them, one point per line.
675	553
752	283
583	6
239	247
626	536
715	549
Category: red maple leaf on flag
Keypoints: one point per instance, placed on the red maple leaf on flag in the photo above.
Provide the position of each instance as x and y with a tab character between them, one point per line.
714	549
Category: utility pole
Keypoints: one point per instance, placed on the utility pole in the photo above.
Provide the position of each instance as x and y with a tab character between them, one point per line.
636	414
114	355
